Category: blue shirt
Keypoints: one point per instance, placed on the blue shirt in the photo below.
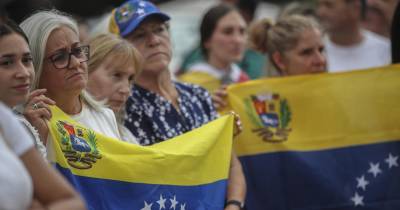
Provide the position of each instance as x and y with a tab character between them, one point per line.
151	118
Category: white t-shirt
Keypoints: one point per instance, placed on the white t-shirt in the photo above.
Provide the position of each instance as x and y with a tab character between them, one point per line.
15	183
127	135
102	121
233	75
373	51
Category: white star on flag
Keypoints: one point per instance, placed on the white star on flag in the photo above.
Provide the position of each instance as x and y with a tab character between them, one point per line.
141	3
140	11
374	169
173	203
392	161
362	182
147	206
161	202
357	200
183	206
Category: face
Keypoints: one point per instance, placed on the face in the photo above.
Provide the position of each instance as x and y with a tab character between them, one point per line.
16	69
334	14
227	43
151	39
63	44
112	82
305	58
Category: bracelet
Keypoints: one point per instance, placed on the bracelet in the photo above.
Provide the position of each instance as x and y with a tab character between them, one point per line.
235	202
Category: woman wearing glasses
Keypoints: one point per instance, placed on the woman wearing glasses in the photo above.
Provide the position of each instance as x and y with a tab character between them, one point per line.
61	69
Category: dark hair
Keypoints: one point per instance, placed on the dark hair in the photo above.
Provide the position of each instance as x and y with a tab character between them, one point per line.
395	34
8	26
209	23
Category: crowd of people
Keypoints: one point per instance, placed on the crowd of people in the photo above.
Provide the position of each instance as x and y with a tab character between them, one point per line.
119	84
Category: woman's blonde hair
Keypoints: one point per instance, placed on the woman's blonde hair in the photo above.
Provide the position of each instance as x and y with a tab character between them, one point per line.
107	46
284	35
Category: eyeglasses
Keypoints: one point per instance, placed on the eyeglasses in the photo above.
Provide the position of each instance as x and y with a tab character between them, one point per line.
62	59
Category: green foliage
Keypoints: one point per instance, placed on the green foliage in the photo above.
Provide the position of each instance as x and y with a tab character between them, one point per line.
286	115
93	142
60	129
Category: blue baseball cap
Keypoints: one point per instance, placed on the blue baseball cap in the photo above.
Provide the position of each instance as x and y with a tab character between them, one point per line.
127	17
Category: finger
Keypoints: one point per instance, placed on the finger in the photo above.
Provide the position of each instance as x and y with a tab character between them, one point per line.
36	92
42	99
42	105
46	100
43	113
218	100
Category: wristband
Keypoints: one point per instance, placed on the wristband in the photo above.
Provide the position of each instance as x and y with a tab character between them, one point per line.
235	202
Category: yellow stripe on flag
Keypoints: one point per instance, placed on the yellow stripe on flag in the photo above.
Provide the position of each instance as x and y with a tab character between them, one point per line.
316	112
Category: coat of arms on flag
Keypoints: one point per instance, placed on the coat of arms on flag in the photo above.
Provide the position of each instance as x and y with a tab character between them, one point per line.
271	114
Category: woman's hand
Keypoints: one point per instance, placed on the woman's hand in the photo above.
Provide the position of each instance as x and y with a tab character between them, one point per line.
238	124
37	112
36	205
219	98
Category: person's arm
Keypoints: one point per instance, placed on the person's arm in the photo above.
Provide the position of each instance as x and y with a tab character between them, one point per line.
236	183
49	188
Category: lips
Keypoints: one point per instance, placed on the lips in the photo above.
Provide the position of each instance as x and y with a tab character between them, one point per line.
156	54
22	87
75	75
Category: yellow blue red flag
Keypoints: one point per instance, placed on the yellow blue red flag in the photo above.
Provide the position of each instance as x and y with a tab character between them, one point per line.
187	172
326	141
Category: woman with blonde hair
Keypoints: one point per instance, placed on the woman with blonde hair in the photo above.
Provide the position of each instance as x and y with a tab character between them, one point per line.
60	65
113	67
294	44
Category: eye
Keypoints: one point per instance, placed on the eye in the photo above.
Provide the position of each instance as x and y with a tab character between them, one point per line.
137	36
308	51
27	59
61	56
117	75
159	29
6	62
77	52
227	31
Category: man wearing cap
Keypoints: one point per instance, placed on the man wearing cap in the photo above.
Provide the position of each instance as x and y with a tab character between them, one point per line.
159	108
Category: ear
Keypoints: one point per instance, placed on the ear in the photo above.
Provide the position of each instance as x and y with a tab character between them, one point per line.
278	60
207	44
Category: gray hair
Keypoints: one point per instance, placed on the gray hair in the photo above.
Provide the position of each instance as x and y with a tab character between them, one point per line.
38	28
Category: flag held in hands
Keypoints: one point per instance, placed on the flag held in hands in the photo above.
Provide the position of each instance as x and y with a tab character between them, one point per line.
187	172
326	141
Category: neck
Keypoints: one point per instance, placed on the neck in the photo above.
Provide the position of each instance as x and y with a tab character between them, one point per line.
347	37
70	104
219	64
160	84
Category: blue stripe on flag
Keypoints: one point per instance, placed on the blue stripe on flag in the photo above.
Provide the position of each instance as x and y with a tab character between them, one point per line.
102	194
359	177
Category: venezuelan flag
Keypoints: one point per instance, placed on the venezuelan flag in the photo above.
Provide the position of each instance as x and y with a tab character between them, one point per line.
326	141
187	172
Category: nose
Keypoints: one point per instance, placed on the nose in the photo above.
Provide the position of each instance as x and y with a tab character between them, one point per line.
73	62
24	71
125	88
239	37
320	61
152	39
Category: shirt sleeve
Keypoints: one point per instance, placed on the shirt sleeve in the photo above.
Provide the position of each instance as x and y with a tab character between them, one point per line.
14	134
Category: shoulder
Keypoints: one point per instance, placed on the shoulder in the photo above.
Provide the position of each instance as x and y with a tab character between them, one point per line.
376	40
191	89
13	132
